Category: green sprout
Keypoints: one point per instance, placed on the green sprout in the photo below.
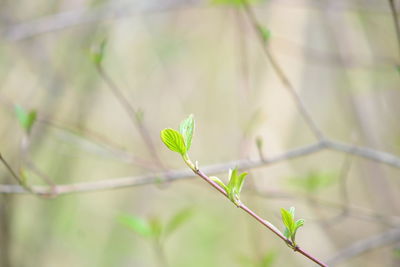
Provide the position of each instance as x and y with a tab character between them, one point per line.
234	186
181	141
291	225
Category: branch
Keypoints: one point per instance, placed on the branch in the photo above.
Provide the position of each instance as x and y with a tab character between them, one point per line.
364	152
102	142
69	19
19	180
132	113
168	176
265	223
366	245
352	211
396	23
281	74
155	178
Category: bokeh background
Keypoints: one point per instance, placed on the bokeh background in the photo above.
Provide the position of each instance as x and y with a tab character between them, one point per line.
175	58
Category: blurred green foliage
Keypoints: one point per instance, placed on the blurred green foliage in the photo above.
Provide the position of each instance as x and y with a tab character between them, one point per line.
267	260
313	180
153	227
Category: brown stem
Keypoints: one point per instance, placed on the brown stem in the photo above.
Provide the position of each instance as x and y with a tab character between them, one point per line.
267	224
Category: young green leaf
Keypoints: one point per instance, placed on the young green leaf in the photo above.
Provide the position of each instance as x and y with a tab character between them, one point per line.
235	185
287	233
186	129
219	182
291	211
241	178
288	220
178	220
138	225
233	178
231	187
298	224
26	119
174	141
290	225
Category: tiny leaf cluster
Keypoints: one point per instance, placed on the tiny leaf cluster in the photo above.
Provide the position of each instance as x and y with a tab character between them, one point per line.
291	226
234	186
179	141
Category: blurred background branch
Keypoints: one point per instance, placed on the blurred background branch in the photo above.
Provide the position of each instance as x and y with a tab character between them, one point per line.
108	11
170	175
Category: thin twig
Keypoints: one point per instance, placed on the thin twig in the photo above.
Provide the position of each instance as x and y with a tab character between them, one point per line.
67	19
365	245
167	176
15	176
343	195
281	74
344	191
132	113
396	22
364	152
101	141
266	223
353	211
156	178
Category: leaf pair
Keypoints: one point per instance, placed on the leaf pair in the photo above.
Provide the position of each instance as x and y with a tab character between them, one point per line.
291	225
179	141
234	186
